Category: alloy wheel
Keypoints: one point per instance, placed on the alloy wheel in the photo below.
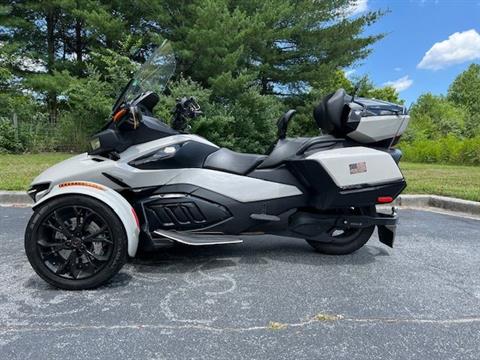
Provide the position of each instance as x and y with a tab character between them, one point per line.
75	242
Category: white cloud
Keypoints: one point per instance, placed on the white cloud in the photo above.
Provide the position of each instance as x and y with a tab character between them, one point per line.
349	73
398	69
424	2
401	84
357	7
459	48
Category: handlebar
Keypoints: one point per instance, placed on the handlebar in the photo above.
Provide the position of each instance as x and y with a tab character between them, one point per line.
185	109
129	116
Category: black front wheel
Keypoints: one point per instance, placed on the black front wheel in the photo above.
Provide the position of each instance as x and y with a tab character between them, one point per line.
75	242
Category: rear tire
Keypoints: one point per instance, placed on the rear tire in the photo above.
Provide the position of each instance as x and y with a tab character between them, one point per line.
343	248
75	242
349	240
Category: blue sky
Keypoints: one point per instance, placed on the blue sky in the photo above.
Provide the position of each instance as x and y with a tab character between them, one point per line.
449	30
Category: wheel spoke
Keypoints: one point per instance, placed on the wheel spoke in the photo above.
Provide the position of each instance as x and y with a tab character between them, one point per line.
78	218
96	257
63	229
52	257
63	267
97	239
85	221
96	233
53	227
87	256
74	270
44	243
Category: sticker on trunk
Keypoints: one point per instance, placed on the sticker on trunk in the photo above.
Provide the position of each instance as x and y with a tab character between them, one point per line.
358	168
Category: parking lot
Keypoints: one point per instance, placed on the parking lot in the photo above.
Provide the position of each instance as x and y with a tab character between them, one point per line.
268	298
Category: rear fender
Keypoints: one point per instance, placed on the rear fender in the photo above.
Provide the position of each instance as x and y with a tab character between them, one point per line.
109	197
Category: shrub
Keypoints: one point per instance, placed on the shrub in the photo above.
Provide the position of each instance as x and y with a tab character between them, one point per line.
244	123
447	150
433	117
470	151
9	139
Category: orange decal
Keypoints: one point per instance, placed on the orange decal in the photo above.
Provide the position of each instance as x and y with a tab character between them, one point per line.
81	183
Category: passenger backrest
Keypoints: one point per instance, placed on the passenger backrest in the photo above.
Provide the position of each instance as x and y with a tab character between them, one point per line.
328	114
282	124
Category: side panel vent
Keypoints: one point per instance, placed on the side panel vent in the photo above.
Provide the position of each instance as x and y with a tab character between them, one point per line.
186	213
180	214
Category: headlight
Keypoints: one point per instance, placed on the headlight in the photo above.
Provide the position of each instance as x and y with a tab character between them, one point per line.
95	143
159	155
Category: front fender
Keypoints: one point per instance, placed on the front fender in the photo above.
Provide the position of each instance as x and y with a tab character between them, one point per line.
109	197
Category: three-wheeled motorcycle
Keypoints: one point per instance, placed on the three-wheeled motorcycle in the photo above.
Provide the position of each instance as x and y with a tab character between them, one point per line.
146	185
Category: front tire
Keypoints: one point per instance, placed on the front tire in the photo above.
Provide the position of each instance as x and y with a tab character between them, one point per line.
75	242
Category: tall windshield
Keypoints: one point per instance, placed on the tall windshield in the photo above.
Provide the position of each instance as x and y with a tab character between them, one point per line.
153	75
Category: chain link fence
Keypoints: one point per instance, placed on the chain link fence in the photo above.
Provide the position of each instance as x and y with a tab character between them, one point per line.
38	134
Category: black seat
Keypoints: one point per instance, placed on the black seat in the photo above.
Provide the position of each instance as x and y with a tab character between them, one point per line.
287	149
232	162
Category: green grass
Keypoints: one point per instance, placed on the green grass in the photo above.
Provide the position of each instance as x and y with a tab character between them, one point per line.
17	171
448	180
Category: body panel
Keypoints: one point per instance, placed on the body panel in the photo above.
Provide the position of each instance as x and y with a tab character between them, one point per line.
354	166
89	168
372	129
82	167
86	167
111	198
236	187
136	151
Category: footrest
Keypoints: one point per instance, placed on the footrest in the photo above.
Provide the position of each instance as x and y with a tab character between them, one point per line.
198	239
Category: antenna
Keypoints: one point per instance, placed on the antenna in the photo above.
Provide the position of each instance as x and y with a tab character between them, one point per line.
355	91
405	115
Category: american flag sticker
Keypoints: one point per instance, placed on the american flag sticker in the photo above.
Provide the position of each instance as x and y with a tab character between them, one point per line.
358	168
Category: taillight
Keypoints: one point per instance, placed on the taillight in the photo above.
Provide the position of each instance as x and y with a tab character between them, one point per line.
384	200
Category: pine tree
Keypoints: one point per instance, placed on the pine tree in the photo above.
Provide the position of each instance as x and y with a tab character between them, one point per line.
253	58
289	45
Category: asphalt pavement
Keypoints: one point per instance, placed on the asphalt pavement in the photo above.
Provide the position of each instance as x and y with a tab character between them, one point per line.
268	298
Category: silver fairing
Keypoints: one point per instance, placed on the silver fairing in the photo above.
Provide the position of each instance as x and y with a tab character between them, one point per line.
84	167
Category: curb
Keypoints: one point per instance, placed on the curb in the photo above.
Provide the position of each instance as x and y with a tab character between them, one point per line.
439	202
416	201
15	198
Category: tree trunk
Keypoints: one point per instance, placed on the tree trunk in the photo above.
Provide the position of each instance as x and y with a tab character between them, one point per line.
50	39
51	94
78	42
265	86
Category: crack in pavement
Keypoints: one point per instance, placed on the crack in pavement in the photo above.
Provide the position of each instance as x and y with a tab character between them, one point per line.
331	319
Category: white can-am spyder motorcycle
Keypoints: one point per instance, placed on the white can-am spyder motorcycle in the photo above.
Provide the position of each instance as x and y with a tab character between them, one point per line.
145	185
